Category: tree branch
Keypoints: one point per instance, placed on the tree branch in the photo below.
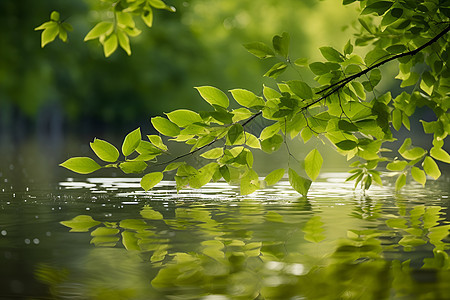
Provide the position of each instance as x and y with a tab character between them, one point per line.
340	84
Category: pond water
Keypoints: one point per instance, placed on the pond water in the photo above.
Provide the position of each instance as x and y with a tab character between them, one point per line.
105	238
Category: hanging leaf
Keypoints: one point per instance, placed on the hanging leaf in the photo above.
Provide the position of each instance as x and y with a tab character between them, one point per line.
213	96
299	183
150	180
259	49
281	44
81	165
131	142
274	176
431	167
313	164
104	150
165	126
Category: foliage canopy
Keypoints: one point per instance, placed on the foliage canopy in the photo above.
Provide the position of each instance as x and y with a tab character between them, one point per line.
343	107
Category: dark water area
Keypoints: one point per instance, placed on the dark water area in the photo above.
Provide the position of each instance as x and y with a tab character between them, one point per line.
102	237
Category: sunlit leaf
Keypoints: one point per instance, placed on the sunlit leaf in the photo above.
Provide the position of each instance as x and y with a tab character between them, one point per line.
213	96
418	175
400	182
397	165
259	49
431	168
440	154
102	28
110	44
184	117
131	142
104	150
274	176
148	181
165	126
130	167
331	54
313	164
301	89
247	98
299	183
81	165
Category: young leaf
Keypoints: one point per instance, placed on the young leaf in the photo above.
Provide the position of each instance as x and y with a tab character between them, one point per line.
247	98
49	34
104	150
184	117
378	7
440	154
213	96
331	54
418	175
130	167
398	165
165	126
347	126
346	145
259	49
400	182
270	131
272	144
147	16
131	142
299	183
313	164
235	133
301	89
274	176
276	70
431	167
110	45
151	179
81	165
213	153
281	44
102	28
124	41
319	68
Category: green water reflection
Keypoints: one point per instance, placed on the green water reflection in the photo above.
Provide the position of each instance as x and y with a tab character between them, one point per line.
272	245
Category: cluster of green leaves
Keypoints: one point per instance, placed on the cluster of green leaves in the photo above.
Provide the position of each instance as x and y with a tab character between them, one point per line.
110	33
53	28
344	106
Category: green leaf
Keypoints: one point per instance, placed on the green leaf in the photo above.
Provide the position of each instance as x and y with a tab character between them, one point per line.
103	231
247	98
104	150
110	44
375	56
397	119
131	142
270	131
49	34
147	16
54	16
249	182
407	152
159	4
276	70
301	89
213	96
299	183
129	167
151	179
346	145
81	165
301	62
418	175
313	164
102	28
398	165
319	68
81	223
148	213
235	133
440	154
272	144
400	182
184	117
348	49
45	25
378	7
259	49
347	126
281	44
431	168
124	41
165	126
274	176
396	49
157	142
213	153
331	54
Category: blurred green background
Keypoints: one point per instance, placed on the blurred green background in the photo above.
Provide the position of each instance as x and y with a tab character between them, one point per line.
73	88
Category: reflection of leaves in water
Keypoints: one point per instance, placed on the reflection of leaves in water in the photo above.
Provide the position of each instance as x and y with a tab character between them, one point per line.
225	256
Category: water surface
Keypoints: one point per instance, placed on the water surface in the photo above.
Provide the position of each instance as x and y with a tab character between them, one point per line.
119	242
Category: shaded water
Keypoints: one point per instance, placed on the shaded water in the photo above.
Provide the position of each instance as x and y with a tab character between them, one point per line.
119	242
